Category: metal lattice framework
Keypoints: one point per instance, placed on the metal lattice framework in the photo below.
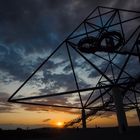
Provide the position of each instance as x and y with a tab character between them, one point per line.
111	36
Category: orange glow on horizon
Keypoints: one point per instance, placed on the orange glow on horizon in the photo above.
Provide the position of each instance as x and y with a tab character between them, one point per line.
58	119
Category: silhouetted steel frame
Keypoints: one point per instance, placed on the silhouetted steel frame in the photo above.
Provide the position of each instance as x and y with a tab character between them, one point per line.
68	43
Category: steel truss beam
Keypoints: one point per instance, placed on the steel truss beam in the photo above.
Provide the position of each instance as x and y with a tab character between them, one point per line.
103	87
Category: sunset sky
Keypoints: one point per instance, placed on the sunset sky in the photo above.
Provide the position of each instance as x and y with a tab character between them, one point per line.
29	32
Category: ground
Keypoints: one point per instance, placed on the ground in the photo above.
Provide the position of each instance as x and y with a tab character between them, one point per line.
70	134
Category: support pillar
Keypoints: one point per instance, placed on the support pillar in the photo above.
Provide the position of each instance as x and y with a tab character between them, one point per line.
83	118
138	113
121	116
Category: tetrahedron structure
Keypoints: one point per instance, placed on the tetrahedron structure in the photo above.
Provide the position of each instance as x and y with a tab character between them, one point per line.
99	58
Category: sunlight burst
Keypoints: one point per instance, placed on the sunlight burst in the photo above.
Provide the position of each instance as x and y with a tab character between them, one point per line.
59	124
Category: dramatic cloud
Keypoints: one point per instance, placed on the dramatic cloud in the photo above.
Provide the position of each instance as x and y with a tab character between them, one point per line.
4	106
32	26
34	108
35	25
31	29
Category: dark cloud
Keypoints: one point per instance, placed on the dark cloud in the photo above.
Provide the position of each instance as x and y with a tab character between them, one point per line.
64	100
56	81
13	64
5	107
127	4
34	108
40	25
58	100
46	120
34	26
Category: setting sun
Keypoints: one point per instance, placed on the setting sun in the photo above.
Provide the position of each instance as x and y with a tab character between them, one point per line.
59	124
